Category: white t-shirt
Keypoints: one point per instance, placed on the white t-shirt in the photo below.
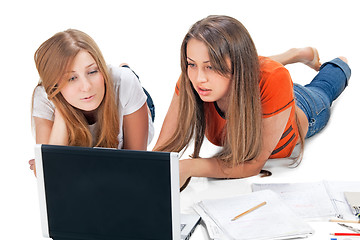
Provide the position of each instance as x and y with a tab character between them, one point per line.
129	97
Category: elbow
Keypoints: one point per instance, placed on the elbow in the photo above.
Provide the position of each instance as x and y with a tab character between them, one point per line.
247	169
251	172
257	170
257	166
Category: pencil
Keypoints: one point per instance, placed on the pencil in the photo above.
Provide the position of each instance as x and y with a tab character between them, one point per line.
344	221
345	234
250	210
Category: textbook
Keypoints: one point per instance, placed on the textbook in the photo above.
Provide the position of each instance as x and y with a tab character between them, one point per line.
257	215
315	200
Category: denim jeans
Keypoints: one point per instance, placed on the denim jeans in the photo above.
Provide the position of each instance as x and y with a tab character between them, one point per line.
315	98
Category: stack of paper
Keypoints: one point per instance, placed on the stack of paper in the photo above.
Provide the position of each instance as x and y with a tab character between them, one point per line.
272	221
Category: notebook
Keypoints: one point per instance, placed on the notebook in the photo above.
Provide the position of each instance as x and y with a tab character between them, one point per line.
273	220
98	193
353	199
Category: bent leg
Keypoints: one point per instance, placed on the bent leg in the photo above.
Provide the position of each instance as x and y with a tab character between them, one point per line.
315	99
332	78
307	55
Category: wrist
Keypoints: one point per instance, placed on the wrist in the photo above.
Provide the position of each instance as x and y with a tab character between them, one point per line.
59	134
186	167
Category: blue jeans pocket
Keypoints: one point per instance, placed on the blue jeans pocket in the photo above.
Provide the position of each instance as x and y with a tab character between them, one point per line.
315	106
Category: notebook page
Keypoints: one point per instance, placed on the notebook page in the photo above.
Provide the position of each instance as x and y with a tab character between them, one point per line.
273	220
307	200
213	230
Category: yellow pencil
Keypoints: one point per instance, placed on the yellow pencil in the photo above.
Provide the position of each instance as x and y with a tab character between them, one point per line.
250	210
344	221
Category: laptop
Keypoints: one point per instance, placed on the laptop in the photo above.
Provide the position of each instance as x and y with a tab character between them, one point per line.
99	193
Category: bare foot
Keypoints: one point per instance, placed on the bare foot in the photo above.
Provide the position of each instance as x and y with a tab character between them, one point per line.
310	57
343	58
307	55
123	65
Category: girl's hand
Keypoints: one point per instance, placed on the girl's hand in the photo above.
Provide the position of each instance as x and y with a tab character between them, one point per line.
32	165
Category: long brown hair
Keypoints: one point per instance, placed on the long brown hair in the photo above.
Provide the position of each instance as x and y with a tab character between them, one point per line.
52	59
226	39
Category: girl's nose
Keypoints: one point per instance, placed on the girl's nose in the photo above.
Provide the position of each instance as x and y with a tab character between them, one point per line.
201	76
85	85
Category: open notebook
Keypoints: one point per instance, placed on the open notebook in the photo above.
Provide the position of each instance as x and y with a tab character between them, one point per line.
97	193
274	220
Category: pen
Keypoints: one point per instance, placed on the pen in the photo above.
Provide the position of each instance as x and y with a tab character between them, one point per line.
345	234
250	210
349	227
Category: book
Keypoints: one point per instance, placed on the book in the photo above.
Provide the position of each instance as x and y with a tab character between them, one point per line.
274	220
315	200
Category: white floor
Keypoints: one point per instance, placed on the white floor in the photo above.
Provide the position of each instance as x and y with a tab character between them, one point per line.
148	35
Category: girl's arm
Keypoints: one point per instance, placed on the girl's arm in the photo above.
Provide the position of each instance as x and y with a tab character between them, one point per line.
170	121
50	132
135	127
273	128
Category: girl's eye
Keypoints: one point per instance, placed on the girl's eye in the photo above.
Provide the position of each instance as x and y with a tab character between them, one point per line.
93	72
209	67
191	65
72	79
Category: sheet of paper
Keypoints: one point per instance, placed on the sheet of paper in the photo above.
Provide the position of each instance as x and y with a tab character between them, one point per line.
307	200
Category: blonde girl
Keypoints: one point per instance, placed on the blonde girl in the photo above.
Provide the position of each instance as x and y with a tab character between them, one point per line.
243	102
81	101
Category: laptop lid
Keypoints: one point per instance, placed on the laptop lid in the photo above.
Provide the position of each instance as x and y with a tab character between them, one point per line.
97	193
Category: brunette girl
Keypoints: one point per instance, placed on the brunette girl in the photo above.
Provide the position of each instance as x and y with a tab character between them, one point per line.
243	102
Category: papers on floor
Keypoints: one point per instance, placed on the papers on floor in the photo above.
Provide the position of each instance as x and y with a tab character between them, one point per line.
275	220
315	200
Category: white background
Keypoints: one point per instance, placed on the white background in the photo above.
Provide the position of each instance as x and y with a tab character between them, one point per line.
147	35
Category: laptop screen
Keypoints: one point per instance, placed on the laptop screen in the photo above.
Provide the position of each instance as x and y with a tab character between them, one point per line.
95	193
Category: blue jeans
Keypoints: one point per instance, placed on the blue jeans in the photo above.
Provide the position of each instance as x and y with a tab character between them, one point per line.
315	98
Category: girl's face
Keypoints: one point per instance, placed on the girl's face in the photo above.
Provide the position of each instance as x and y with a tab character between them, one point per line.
210	85
85	87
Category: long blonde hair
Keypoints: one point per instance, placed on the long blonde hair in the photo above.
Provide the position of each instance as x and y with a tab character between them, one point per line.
226	39
52	59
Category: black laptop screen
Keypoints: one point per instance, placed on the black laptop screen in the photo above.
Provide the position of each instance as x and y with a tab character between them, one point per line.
107	194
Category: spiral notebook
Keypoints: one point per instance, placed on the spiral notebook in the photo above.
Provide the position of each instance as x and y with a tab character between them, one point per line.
353	199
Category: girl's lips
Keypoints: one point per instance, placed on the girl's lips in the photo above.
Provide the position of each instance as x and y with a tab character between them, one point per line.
204	91
87	98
